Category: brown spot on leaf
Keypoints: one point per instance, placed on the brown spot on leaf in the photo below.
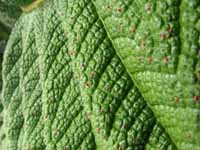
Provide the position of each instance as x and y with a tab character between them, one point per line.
177	99
196	98
120	9
198	74
133	29
148	7
199	52
98	129
165	59
150	60
163	36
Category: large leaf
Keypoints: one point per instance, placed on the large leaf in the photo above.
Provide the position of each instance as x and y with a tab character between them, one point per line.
106	75
159	43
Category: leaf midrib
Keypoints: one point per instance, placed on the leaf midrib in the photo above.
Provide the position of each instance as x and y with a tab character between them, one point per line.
117	53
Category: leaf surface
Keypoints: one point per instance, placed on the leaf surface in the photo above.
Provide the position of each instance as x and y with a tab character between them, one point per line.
71	80
158	42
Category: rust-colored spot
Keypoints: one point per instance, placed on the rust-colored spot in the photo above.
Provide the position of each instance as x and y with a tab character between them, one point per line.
198	74
196	98
148	7
98	129
199	52
133	29
82	65
177	99
163	36
120	9
150	60
165	59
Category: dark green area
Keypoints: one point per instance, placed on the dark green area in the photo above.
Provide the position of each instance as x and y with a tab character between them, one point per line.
18	2
9	14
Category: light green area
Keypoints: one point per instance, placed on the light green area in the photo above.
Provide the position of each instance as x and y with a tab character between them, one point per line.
162	56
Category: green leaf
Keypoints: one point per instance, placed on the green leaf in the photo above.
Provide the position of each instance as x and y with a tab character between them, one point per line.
24	5
8	15
158	42
83	74
18	2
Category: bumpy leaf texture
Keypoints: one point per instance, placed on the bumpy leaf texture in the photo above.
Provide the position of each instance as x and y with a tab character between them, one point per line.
103	74
18	2
8	15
